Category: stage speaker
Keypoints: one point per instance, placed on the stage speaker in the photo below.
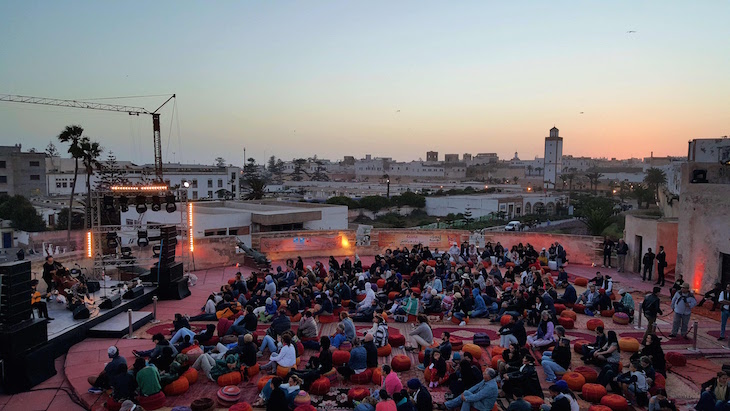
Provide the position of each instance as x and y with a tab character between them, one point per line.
111	301
168	242
93	286
15	268
15	292
176	290
81	312
133	293
28	369
23	336
168	274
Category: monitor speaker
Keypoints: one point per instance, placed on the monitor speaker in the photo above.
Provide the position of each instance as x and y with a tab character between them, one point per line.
93	286
81	312
176	290
110	302
133	293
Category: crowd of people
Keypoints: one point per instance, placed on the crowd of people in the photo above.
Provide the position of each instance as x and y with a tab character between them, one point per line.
509	285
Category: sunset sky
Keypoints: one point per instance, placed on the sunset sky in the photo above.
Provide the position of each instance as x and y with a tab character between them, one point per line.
294	79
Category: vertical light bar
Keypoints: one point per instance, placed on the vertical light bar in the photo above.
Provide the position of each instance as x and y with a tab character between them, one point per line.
190	226
88	244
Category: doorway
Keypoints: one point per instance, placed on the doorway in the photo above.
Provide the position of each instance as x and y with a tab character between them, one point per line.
7	240
638	253
724	268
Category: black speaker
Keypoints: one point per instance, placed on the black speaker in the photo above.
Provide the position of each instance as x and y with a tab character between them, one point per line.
133	293
168	242
111	301
15	268
81	312
15	292
23	336
28	369
168	274
176	290
93	286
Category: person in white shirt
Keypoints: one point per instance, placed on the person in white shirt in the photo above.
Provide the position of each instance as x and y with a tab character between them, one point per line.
369	298
286	357
636	383
724	301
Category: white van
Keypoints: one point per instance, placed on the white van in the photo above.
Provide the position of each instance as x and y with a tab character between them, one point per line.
512	226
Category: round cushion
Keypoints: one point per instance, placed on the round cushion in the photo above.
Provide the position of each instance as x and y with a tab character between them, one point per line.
400	363
505	319
613	297
659	383
302	398
594	323
416	290
628	344
241	406
385	350
393	295
345	303
534	401
567	323
568	314
282	371
153	402
229	393
421	356
575	380
192	375
615	402
559	308
397	340
620	318
112	405
357	393
579	308
177	387
378	376
578	346
340	358
331	375
431	263
296	318
231	378
364	377
676	359
598	407
593	392
588	373
380	282
326	319
474	350
455	320
253	370
506	285
203	403
456	344
263	380
607	313
580	281
360	297
345	346
496	350
495	361
193	352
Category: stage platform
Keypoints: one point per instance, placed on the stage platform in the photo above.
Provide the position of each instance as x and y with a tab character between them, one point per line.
118	326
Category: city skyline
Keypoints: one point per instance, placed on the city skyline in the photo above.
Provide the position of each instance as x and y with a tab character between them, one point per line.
391	80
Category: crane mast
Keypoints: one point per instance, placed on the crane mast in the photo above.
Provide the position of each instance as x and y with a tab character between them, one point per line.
132	111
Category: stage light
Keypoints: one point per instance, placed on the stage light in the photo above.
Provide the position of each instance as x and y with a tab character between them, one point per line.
141	204
156	204
109	204
142	239
156	250
88	244
139	188
111	240
190	226
170	203
126	252
186	184
124	204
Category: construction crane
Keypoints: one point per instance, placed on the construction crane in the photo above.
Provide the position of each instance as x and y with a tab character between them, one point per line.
132	111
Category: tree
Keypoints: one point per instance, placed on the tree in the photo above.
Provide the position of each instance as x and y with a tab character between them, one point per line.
256	186
409	198
72	135
21	213
515	179
564	179
111	174
654	178
343	200
529	170
319	172
374	203
250	169
538	170
91	152
51	150
299	169
77	222
220	162
595	212
593	176
643	195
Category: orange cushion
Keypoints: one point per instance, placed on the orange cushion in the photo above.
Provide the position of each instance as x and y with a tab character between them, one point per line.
456	344
578	346
357	393
400	363
593	392
505	319
594	323
567	323
599	407
575	380
628	344
241	406
506	285
474	350
676	359
364	377
580	281
380	283
569	314
263	380
326	319
320	386
282	371
153	402
253	370
615	402
579	308
296	318
397	340
392	295
112	405
177	387
385	350
607	313
620	318
535	401
378	376
231	378
590	375
495	361
559	308
496	350
421	356
340	358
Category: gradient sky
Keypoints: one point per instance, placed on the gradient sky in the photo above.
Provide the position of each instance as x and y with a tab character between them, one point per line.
297	78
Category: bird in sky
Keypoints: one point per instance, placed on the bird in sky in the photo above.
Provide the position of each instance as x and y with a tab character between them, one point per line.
397	111
631	32
581	112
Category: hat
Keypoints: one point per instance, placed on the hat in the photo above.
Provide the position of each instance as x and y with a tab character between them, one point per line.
465	276
269	300
622	291
456	357
128	405
309	267
202	404
413	383
457	295
112	351
602	291
361	278
685	285
434	292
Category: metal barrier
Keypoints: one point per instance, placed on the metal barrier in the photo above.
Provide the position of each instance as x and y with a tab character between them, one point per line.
154	310
694	343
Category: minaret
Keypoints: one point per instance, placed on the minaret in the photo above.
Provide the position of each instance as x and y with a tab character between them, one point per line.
553	159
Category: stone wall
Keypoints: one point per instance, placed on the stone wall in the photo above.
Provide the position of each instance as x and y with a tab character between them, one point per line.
653	232
581	249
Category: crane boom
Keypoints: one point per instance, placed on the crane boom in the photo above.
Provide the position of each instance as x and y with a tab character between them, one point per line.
132	111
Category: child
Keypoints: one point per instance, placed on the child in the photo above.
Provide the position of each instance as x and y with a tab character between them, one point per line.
438	369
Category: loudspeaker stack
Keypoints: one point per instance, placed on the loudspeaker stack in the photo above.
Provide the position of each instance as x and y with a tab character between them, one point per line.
15	292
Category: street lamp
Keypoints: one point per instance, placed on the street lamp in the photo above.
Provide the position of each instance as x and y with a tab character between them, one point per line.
387	193
438	221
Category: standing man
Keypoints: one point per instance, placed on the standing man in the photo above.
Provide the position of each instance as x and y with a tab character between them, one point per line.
608	246
724	301
648	262
560	254
651	307
621	250
661	263
682	303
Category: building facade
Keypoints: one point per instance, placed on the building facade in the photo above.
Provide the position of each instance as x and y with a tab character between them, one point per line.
22	173
553	163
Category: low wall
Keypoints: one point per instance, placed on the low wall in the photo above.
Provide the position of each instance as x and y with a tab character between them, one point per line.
581	249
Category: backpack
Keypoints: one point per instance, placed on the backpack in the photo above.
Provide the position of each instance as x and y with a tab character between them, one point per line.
481	339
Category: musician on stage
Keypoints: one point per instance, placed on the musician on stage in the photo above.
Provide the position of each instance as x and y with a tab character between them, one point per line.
50	268
37	303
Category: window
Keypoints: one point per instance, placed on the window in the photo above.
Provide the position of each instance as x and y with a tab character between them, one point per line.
210	194
3	164
220	183
233	176
35	177
210	183
195	195
3	179
65	185
58	185
195	183
35	163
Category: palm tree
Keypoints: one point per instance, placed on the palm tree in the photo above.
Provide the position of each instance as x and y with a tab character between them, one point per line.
538	170
654	178
72	134
91	151
593	176
564	179
529	170
256	188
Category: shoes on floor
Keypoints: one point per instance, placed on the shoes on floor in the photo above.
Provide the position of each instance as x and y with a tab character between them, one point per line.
463	323
672	336
720	338
421	367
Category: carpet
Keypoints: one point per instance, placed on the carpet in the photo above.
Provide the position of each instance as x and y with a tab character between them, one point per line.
705	311
665	341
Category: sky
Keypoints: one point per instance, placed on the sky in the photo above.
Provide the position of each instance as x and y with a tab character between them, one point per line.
387	78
